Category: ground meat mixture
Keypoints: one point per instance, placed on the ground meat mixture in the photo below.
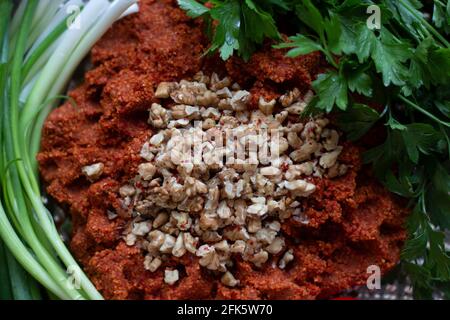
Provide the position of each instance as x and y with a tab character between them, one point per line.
92	149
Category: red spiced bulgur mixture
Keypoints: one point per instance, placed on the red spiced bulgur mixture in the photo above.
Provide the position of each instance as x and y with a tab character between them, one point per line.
353	221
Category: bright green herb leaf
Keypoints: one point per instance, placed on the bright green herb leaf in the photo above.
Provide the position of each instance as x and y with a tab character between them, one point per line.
258	23
193	8
419	137
301	45
333	33
331	89
388	56
311	16
227	32
415	247
357	78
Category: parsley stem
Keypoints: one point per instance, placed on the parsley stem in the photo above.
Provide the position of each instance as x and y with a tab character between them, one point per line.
423	111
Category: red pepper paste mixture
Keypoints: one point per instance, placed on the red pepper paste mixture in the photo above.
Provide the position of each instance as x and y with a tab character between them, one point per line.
91	150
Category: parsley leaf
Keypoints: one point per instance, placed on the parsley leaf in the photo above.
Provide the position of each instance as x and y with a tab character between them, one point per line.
407	15
333	33
388	56
439	261
327	29
311	16
351	29
301	45
193	8
416	246
385	155
331	89
439	66
258	23
241	25
441	15
438	199
357	78
419	137
366	43
358	119
419	74
227	32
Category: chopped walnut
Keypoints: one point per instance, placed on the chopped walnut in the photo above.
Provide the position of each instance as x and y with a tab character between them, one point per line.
157	139
147	171
171	276
168	244
287	257
327	160
217	84
164	89
266	107
290	97
127	191
141	228
179	249
239	100
183	96
300	187
158	117
190	242
229	280
219	177
238	247
93	171
130	239
254	225
208	257
156	240
275	246
152	263
260	258
201	77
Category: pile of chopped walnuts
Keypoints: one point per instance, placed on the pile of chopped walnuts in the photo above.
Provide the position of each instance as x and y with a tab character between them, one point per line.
214	209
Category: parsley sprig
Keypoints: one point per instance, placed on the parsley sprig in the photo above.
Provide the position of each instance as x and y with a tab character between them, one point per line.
404	67
241	25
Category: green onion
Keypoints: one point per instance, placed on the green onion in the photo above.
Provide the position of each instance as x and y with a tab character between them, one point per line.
55	34
23	287
35	67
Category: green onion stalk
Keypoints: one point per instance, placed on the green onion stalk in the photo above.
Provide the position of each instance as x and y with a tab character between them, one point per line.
41	44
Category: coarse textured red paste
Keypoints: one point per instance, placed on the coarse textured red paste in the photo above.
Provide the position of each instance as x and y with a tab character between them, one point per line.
354	222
